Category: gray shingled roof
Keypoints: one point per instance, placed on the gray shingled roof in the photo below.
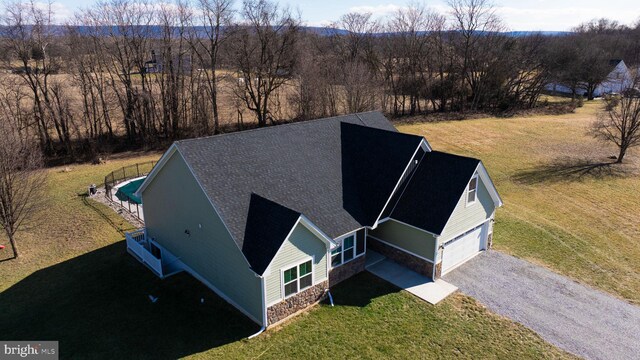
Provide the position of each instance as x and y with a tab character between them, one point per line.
433	192
302	166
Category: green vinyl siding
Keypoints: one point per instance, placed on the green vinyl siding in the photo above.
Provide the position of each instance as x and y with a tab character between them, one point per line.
175	203
301	245
465	217
406	237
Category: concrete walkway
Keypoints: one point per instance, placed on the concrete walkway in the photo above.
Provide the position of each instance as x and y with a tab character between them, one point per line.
574	317
419	285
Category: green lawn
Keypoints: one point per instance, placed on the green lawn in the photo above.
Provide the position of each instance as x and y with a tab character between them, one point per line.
75	283
565	208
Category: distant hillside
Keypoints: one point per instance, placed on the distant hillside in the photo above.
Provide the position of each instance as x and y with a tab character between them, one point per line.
319	30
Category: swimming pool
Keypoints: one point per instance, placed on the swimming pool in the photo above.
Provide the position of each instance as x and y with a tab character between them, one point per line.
127	192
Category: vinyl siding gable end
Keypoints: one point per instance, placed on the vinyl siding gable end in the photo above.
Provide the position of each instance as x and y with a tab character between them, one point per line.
302	244
466	217
179	216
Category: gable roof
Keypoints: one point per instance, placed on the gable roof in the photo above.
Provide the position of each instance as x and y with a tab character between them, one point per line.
328	170
268	224
434	190
368	153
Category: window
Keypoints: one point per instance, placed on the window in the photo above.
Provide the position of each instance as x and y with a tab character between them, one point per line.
336	256
472	190
347	244
352	247
297	278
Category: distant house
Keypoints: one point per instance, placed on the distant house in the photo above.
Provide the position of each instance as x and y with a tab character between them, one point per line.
271	218
619	79
158	64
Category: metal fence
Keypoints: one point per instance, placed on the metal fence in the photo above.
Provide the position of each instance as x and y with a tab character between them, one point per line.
123	174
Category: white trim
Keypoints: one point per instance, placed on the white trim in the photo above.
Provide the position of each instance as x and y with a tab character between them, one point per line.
463	234
409	225
279	300
436	251
484	233
346	234
220	293
265	318
283	295
473	227
375	223
302	220
267	271
480	170
408	181
488	184
156	169
355	247
461	262
316	230
404	250
425	145
468	203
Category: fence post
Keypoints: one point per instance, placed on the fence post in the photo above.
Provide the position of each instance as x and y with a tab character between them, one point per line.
137	170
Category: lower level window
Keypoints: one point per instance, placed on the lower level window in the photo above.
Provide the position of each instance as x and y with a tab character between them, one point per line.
297	278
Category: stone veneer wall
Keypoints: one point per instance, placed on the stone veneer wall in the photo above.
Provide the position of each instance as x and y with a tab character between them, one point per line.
412	262
295	303
347	270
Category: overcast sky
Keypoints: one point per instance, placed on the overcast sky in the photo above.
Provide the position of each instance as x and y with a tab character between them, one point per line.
555	15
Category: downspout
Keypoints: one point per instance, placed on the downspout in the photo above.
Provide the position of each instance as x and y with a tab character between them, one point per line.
436	250
264	309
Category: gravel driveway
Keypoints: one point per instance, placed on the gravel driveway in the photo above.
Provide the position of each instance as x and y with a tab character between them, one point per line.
576	318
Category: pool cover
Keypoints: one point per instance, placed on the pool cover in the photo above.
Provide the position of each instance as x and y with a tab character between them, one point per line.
126	192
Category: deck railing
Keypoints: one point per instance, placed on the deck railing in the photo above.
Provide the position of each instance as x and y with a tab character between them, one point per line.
138	244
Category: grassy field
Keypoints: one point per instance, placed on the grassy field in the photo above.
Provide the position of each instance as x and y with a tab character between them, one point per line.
565	206
75	283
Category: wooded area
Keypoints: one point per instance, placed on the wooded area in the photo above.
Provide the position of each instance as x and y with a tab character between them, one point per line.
127	74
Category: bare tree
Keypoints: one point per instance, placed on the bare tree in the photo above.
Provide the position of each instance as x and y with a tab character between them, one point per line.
206	44
477	39
264	51
22	182
358	62
620	123
407	46
31	41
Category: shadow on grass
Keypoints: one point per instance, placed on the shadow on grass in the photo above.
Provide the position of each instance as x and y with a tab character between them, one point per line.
568	169
97	306
92	206
360	289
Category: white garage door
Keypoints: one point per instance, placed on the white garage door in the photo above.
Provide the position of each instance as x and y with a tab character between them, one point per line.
463	247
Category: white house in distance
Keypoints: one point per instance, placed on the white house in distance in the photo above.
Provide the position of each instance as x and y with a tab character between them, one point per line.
618	80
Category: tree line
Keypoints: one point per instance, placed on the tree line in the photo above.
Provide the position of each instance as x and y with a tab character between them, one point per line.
128	74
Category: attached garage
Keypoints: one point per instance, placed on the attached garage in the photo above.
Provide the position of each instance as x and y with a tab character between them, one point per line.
450	202
463	247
